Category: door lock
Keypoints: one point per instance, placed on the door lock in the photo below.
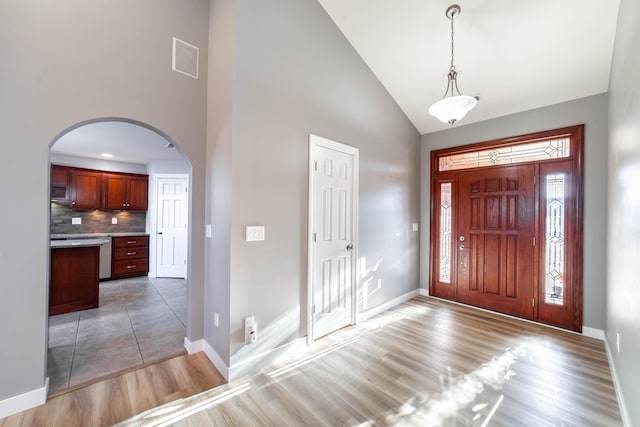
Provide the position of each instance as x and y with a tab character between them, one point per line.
461	247
461	238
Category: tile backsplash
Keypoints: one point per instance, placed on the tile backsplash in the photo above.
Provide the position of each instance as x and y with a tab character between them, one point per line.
95	221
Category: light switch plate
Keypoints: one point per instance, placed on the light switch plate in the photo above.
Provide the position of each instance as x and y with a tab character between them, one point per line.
207	230
415	227
254	233
76	221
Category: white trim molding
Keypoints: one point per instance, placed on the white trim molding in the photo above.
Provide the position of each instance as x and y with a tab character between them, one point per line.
624	414
387	305
593	333
24	401
193	347
424	292
216	360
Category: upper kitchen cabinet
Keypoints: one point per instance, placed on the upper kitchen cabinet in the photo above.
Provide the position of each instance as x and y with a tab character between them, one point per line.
125	191
60	185
86	189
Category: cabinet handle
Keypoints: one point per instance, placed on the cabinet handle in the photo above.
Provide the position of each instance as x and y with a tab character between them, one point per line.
131	266
73	203
132	253
131	242
124	204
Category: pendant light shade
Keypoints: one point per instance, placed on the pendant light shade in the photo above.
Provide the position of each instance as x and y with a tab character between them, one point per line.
454	106
452	109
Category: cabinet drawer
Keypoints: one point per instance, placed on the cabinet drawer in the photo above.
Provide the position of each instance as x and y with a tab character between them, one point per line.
130	266
130	253
129	241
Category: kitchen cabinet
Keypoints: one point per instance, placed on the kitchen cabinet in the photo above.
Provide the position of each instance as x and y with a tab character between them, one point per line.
60	184
86	189
73	283
125	191
130	256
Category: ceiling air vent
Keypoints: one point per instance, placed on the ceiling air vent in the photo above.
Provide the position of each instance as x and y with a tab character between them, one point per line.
185	58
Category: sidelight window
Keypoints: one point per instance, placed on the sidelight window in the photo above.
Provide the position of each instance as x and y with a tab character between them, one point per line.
554	267
445	232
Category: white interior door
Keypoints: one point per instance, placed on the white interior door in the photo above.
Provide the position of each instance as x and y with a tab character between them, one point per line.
333	216
171	227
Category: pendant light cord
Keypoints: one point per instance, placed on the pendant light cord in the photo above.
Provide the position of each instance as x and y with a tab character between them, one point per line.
452	67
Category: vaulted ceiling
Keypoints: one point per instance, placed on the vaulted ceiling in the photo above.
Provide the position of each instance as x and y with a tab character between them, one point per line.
516	55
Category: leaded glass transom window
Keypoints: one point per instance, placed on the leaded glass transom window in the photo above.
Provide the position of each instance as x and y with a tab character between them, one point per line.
554	239
445	232
501	156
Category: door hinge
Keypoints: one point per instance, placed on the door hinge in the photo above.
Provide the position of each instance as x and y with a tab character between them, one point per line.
313	309
314	237
534	241
315	166
533	302
535	180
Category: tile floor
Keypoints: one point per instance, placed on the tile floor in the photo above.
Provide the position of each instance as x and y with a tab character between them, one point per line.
139	320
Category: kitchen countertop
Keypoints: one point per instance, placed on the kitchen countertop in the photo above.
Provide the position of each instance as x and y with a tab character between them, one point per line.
96	235
72	243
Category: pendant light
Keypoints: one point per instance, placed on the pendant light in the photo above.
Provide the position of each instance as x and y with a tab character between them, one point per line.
453	106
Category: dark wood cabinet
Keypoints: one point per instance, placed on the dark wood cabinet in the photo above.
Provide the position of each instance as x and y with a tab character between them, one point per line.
125	191
60	185
93	189
74	282
86	189
130	256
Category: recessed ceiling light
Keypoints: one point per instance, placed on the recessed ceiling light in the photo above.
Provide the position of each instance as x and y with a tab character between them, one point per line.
107	155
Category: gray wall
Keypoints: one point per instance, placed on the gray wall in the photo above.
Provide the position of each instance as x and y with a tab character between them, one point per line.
623	287
296	74
63	63
592	111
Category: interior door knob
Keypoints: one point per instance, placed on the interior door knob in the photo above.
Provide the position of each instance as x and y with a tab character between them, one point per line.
349	247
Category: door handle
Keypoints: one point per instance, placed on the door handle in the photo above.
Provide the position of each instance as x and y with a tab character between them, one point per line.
159	232
461	247
349	247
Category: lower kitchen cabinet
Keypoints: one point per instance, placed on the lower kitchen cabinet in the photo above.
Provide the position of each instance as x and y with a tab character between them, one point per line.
74	279
130	256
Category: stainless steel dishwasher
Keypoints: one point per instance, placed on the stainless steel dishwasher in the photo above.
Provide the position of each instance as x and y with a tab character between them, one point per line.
105	258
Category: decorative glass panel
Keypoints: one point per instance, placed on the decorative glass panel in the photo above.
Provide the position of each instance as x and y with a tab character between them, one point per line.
528	152
445	232
554	239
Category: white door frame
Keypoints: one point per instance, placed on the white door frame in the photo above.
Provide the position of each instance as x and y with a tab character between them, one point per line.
152	216
315	141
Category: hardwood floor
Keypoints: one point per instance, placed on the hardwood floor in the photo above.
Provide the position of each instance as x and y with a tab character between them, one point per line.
426	362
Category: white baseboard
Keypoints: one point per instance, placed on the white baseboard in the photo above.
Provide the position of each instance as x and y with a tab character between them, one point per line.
361	317
216	360
593	333
424	292
193	347
24	401
624	414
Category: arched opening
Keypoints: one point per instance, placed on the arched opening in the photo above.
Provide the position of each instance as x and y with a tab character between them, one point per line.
116	182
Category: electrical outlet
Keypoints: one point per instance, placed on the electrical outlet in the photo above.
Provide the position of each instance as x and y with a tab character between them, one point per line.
254	233
76	221
216	319
618	341
415	227
114	220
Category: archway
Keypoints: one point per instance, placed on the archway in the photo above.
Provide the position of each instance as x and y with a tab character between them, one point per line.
138	317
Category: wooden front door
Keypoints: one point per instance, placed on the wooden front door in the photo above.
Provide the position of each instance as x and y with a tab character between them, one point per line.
494	243
506	226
